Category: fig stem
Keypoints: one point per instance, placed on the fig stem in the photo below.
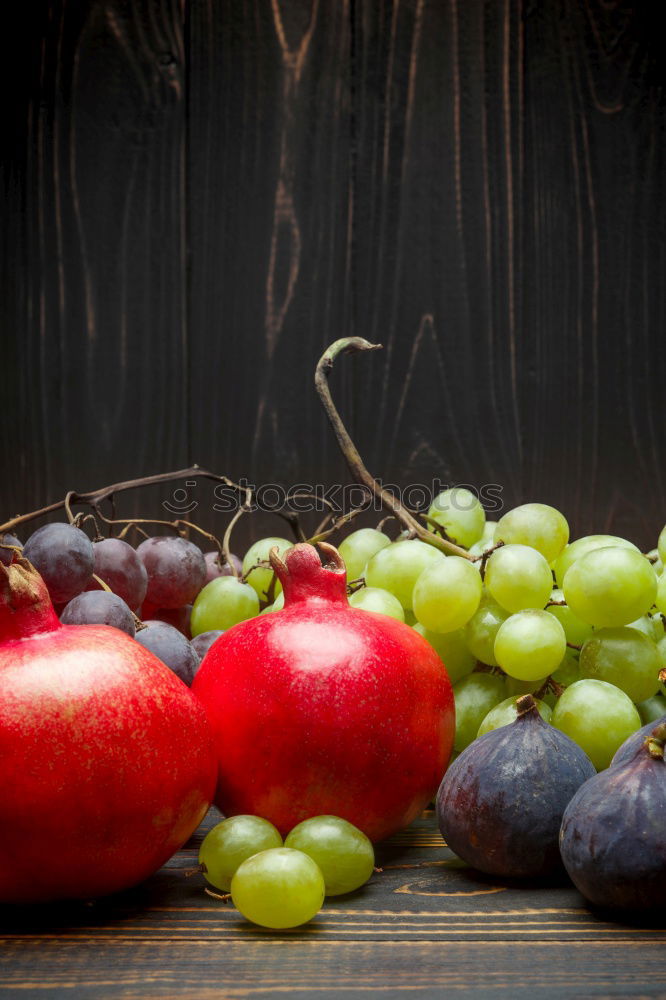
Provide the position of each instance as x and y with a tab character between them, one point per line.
350	345
526	704
656	740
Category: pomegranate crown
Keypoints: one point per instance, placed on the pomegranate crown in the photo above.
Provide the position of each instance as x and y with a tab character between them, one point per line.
25	605
304	577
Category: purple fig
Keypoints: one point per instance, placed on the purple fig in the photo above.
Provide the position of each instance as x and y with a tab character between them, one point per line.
500	803
613	837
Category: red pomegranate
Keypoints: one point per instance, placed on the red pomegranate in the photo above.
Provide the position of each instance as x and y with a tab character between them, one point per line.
106	763
324	708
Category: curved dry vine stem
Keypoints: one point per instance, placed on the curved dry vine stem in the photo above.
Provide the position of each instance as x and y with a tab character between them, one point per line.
178	525
348	345
226	538
95	497
336	523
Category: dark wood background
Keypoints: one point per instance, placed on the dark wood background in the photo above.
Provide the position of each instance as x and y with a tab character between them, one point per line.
198	196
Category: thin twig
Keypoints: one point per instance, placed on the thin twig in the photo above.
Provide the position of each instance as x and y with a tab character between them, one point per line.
95	497
336	524
358	470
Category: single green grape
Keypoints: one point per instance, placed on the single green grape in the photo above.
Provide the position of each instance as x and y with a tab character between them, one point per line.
460	514
660	599
610	586
343	853
446	594
518	577
505	713
652	709
260	577
661	649
397	567
576	631
358	549
452	651
376	599
535	524
479	548
475	695
223	602
530	645
655	559
278	888
598	717
482	628
589	543
489	529
516	687
649	626
659	624
661	545
231	842
568	672
485	543
277	605
623	657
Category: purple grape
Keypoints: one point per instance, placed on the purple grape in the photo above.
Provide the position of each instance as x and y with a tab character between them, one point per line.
176	571
202	642
6	555
214	568
172	648
99	607
178	617
63	555
119	565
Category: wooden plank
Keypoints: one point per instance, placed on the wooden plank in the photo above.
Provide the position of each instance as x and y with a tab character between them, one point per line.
98	331
510	242
477	185
436	239
424	924
593	261
269	217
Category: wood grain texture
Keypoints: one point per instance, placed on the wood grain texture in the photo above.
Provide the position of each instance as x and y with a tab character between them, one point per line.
101	349
269	227
424	925
202	195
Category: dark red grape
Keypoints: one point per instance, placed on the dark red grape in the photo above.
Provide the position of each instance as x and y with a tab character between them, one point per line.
118	564
172	648
99	607
63	555
215	568
178	617
6	555
202	642
176	571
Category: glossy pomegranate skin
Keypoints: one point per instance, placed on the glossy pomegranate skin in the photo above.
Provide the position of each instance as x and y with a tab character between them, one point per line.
322	708
107	764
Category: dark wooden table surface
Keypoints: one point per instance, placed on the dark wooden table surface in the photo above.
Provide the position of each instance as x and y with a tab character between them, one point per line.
424	926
